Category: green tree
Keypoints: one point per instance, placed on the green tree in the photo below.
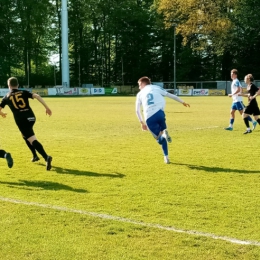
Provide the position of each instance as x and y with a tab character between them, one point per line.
246	38
205	28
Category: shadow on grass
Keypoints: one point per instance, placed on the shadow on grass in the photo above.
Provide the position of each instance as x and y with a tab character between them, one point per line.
215	169
84	173
45	185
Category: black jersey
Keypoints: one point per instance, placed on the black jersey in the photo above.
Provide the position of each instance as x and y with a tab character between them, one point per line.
252	90
18	101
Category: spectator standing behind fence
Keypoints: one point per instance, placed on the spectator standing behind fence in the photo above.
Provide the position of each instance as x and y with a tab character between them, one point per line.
18	101
252	108
237	104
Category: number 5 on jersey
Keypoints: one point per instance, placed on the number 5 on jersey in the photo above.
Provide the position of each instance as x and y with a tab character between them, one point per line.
18	101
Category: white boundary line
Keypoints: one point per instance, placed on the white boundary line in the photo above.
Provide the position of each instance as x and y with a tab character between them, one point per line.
126	220
198	128
203	128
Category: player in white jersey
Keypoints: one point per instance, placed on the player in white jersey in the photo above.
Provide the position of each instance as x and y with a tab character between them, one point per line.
237	104
151	98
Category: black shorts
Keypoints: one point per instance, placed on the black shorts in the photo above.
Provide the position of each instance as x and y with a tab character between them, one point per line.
252	110
26	126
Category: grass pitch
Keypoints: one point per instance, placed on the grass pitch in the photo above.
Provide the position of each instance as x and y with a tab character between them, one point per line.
110	196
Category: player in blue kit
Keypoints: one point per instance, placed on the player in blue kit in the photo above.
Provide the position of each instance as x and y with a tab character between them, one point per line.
151	98
237	103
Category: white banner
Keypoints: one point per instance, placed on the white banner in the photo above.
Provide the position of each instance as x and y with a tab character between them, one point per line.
52	92
97	91
185	92
70	91
84	91
200	92
59	90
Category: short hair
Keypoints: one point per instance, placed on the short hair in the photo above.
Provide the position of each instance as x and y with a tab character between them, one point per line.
12	82
234	71
250	77
145	80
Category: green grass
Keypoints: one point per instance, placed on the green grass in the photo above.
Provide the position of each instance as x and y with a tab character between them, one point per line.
103	163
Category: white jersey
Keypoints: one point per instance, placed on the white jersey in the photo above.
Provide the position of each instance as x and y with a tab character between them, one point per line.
151	97
234	86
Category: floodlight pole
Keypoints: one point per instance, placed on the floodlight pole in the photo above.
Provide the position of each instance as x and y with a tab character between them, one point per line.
102	71
174	58
79	73
122	71
64	37
54	70
28	69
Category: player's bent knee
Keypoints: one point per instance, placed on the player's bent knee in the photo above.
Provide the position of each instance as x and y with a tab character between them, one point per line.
161	140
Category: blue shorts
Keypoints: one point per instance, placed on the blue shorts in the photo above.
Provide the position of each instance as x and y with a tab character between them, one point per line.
156	123
238	106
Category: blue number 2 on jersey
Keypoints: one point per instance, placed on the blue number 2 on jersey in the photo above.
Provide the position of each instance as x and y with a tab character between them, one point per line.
150	99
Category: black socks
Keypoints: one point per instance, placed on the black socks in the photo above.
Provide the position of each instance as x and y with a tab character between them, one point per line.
30	147
246	122
39	148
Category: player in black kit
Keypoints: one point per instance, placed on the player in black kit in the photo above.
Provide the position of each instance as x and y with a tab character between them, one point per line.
18	101
252	108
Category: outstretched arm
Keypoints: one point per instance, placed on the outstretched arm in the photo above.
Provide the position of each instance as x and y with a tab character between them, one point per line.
39	98
177	99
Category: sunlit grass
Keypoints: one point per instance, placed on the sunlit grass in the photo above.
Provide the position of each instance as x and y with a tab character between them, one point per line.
104	163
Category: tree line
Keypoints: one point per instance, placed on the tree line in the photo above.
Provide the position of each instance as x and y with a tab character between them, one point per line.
114	42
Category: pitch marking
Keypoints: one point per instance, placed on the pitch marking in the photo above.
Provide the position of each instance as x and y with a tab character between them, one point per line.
126	220
209	127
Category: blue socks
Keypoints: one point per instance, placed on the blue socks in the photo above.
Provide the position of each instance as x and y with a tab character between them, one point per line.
162	141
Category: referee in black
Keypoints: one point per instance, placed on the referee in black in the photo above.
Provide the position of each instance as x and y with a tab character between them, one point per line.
18	101
252	108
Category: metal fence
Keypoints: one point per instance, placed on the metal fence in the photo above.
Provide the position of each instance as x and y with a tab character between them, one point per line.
226	85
